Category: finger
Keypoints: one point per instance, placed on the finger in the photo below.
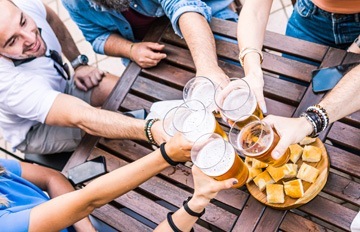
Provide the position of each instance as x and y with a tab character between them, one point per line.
80	85
156	46
156	56
280	148
259	94
149	63
87	82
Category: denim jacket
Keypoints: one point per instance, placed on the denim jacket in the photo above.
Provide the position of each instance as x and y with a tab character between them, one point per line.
97	22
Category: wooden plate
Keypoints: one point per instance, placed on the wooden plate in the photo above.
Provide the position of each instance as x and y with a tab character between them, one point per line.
310	190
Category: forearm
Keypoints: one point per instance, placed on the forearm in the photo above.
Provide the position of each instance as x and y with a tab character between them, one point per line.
71	207
117	46
73	112
344	98
251	30
182	219
355	47
200	40
67	43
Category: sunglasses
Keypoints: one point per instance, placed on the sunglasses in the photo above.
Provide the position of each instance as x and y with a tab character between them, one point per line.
61	67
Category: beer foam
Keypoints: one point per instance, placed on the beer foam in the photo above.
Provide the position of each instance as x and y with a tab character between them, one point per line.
238	103
211	155
205	94
194	130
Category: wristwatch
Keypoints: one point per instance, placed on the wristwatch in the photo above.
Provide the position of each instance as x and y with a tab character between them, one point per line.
80	60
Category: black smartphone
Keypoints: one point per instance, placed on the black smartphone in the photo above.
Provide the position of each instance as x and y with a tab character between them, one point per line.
140	114
87	171
325	79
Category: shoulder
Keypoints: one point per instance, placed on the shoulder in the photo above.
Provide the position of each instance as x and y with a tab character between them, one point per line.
76	5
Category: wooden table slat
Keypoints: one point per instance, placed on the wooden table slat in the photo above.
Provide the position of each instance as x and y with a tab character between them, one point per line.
345	135
270	220
250	216
344	161
295	223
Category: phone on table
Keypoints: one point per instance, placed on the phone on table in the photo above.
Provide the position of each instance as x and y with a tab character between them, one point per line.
325	79
87	170
140	114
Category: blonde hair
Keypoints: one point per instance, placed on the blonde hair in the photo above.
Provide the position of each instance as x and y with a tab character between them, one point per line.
3	200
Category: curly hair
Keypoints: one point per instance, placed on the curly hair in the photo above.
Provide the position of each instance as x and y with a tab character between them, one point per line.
117	5
3	199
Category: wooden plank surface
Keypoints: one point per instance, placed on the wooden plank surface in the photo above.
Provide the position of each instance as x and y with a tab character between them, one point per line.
295	223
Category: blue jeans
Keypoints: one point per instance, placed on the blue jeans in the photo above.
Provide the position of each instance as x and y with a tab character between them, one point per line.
309	22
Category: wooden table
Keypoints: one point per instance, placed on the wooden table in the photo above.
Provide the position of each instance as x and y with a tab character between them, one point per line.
235	209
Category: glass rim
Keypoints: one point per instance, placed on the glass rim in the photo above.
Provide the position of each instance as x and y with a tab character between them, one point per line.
191	81
164	121
219	88
201	139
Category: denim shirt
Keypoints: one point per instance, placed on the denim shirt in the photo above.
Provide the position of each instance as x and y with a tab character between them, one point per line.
97	22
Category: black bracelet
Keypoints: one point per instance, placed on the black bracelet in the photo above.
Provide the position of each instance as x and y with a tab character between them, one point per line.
190	211
166	157
171	222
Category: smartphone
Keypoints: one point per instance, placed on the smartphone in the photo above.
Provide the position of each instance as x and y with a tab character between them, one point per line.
87	171
140	114
325	79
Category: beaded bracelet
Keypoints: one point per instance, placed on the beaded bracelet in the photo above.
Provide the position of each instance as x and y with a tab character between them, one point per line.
190	211
147	130
318	118
322	114
314	133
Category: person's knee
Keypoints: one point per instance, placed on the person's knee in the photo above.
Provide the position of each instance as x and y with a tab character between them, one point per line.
102	91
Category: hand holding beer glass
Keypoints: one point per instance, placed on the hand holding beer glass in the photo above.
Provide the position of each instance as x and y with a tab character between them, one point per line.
257	140
217	158
192	120
236	100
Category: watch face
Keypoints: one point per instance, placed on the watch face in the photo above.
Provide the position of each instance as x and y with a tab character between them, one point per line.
84	59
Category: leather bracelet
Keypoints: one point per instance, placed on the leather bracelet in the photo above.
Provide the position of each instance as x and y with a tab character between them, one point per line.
190	211
166	157
309	119
171	222
246	51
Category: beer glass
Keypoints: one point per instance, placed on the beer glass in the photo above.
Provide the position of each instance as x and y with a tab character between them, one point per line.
218	159
193	120
236	100
202	89
257	140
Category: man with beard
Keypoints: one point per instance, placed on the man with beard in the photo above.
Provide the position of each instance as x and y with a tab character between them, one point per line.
42	108
116	27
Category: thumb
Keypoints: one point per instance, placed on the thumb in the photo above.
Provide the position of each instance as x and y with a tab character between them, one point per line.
280	149
226	184
156	46
261	100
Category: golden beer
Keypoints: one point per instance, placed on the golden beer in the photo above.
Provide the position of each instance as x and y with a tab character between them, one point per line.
218	159
257	140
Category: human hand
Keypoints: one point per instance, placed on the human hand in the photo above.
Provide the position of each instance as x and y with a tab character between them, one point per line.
178	148
206	188
215	74
158	132
255	80
290	130
87	77
147	54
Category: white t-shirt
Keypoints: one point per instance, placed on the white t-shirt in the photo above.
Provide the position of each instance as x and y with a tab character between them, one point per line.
28	91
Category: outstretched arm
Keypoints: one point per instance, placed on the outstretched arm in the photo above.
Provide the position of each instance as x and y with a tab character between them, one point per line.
64	210
201	42
251	31
340	102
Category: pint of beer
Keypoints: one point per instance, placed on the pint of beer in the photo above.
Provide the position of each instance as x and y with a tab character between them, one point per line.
193	120
218	159
202	89
257	140
235	101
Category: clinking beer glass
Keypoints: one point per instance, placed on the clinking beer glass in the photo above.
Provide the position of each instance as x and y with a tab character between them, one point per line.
235	99
217	158
193	120
257	140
